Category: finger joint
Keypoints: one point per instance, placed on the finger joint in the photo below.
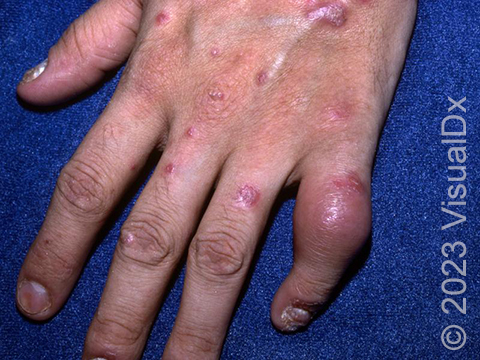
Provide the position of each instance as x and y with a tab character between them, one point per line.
220	254
82	189
148	241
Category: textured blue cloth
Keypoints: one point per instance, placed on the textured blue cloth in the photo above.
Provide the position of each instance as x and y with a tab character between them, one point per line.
391	308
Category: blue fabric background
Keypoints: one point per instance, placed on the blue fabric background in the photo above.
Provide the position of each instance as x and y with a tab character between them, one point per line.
391	307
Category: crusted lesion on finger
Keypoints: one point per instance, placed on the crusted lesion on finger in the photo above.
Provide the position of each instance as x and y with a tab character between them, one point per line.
247	196
351	183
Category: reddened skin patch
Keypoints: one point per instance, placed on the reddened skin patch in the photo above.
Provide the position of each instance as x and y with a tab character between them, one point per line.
162	18
247	196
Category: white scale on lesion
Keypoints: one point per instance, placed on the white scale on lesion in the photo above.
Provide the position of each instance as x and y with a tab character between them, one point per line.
333	13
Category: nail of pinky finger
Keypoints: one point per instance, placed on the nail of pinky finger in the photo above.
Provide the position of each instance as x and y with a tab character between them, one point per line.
331	223
97	42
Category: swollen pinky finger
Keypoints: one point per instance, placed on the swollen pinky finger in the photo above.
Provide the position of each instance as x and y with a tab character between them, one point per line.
331	223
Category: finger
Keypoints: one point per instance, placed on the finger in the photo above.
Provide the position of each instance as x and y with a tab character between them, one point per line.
152	241
95	43
219	258
331	223
88	188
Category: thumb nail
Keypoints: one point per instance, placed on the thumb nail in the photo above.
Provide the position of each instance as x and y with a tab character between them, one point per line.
35	72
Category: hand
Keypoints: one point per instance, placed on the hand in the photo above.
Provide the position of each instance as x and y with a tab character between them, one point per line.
243	97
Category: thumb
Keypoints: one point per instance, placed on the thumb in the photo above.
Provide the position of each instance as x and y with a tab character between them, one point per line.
95	43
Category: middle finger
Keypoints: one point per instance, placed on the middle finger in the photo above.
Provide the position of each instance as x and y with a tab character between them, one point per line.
152	241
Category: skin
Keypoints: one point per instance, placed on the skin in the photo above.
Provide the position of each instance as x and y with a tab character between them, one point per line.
243	97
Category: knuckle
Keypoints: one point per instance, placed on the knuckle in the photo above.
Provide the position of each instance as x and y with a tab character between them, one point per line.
76	42
51	262
117	329
141	79
147	240
219	254
337	115
149	72
82	189
193	341
291	101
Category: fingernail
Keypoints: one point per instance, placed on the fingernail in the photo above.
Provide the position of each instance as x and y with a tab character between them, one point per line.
294	318
35	72
33	298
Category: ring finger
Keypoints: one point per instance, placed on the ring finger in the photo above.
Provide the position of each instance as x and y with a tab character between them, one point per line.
219	257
